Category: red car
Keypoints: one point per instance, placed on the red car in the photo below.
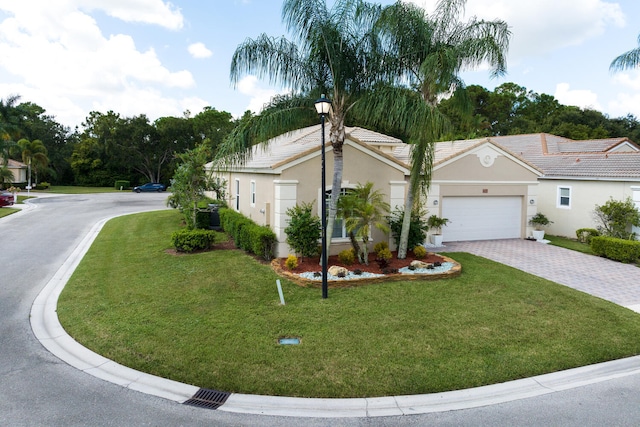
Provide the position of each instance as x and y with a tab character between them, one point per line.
6	199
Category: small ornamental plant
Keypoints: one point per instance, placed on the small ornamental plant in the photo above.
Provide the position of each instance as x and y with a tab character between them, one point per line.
292	262
383	258
380	246
347	257
419	252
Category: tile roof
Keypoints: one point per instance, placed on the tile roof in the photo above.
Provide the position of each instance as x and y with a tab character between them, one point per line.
291	145
562	157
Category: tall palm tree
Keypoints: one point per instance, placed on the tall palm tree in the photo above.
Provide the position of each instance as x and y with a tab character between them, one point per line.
627	60
432	52
334	51
33	153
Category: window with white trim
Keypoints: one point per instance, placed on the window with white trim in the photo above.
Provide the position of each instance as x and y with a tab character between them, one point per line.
564	197
339	229
253	193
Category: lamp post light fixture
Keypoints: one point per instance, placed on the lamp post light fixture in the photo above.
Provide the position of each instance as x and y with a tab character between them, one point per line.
323	105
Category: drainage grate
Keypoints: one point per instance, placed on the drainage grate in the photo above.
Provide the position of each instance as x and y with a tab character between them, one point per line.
210	399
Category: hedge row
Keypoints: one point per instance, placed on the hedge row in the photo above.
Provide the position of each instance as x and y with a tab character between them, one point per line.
191	240
247	235
616	249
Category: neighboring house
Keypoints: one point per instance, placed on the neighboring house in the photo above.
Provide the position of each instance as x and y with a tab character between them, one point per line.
484	189
19	171
577	175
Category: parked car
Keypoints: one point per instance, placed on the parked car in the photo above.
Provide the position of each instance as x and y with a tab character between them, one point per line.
150	186
6	198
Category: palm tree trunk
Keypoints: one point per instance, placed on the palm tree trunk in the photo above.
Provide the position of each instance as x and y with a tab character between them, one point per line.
336	136
406	225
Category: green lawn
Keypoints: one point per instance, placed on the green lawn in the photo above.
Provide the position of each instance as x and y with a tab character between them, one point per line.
573	244
5	211
70	189
213	319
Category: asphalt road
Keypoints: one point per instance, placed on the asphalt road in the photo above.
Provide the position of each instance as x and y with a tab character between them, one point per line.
38	389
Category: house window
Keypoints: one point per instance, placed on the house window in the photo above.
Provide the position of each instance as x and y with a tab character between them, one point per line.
237	194
339	229
253	193
564	197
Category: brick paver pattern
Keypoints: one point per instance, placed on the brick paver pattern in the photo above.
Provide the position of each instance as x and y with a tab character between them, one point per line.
610	280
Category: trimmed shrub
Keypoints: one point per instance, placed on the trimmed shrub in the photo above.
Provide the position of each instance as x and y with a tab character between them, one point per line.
419	252
347	257
380	246
292	262
44	185
304	230
122	184
191	240
616	249
247	235
585	235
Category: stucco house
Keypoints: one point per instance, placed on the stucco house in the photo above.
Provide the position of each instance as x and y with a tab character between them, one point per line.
577	175
485	190
19	171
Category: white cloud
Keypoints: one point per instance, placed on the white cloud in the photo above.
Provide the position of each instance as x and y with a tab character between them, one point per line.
199	51
577	97
56	55
259	96
155	12
542	26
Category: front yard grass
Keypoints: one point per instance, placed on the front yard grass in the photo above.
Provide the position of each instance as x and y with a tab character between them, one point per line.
213	320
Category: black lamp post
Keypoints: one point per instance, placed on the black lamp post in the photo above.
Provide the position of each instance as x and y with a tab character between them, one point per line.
323	105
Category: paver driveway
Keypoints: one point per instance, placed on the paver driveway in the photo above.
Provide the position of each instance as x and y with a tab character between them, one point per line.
610	280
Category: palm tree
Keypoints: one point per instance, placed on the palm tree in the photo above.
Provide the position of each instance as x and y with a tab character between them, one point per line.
432	52
362	208
33	153
335	51
627	60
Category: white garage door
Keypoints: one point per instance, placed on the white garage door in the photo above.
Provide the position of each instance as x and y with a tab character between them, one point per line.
482	218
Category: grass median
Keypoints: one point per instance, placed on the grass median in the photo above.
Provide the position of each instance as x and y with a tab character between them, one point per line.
213	320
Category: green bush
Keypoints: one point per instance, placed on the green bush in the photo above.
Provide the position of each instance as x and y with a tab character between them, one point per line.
191	240
44	185
380	246
419	252
347	256
304	230
417	227
616	249
617	217
247	235
122	184
292	262
585	235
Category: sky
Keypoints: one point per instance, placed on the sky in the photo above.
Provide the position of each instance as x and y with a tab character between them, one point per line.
162	58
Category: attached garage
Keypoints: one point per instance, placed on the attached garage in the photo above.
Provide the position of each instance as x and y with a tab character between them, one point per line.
482	218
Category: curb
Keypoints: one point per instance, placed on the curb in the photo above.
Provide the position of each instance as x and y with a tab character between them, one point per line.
48	330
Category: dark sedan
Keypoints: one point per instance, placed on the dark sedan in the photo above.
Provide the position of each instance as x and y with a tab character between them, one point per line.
150	186
6	198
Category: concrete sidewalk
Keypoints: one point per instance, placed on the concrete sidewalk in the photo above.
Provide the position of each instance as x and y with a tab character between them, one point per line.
50	333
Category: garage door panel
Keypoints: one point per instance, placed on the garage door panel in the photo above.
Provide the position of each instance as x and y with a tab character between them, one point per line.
482	218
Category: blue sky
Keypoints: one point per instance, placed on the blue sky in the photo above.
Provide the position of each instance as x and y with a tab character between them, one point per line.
163	58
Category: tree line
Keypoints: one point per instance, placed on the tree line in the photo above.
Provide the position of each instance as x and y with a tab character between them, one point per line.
109	147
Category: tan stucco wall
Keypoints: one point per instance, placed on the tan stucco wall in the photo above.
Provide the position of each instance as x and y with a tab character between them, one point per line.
585	195
475	175
303	181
